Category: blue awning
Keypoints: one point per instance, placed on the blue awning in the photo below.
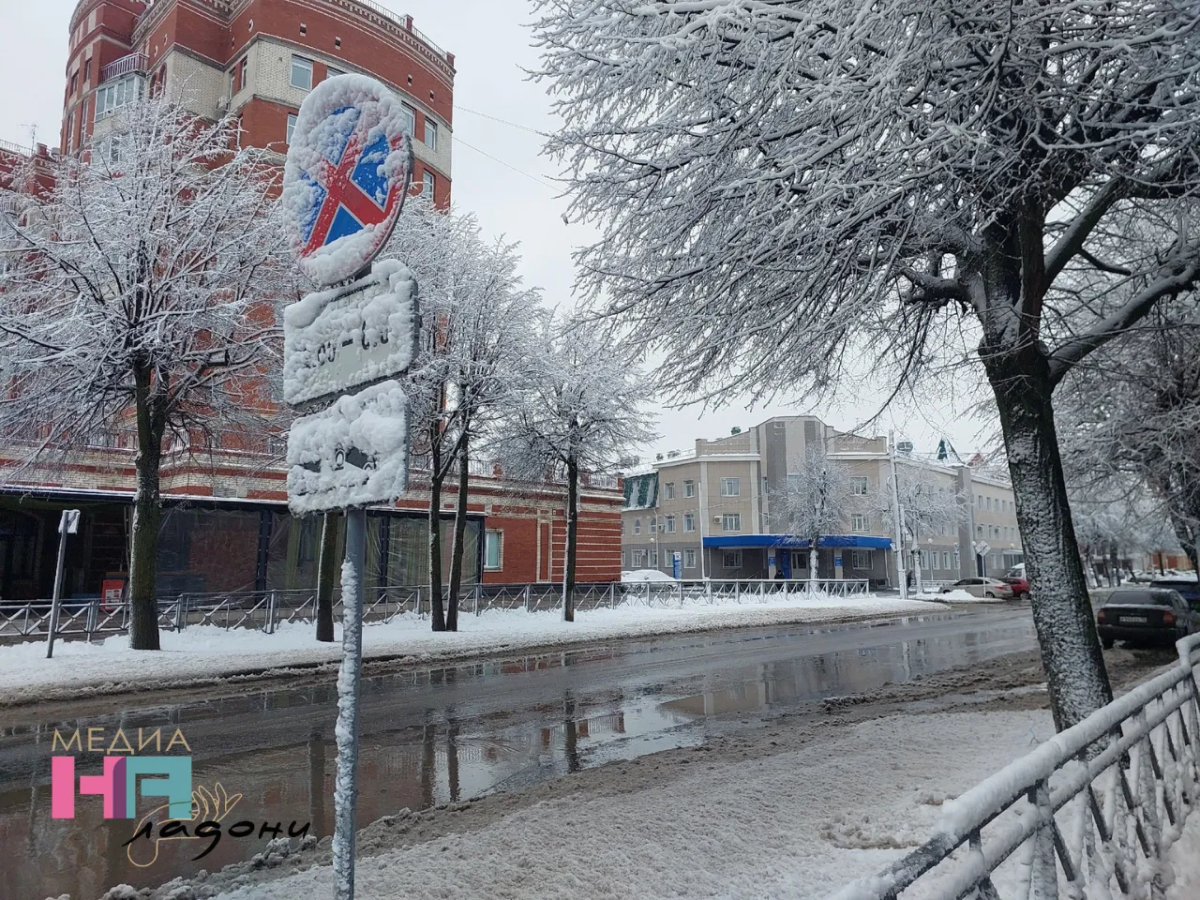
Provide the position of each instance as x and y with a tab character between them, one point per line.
836	541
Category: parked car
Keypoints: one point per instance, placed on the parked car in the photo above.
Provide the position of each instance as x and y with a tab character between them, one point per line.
990	588
1019	585
1140	615
1188	588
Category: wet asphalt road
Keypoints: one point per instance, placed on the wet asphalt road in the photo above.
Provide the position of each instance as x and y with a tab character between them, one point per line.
437	735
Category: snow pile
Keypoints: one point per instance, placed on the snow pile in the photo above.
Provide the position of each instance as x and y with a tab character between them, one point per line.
641	576
203	654
351	454
336	112
341	338
955	596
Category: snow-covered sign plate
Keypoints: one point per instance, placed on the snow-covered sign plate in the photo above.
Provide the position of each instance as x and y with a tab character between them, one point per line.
348	168
352	454
342	338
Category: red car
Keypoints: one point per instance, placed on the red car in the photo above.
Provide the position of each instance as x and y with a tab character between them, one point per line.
1019	585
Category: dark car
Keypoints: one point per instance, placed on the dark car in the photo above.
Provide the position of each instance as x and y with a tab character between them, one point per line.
1144	615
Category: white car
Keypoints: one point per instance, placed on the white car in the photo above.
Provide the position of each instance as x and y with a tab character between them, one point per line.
989	588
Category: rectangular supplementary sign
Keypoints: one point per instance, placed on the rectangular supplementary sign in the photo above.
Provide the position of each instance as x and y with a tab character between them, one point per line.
343	338
352	454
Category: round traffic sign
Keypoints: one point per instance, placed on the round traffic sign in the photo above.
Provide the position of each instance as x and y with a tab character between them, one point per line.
348	168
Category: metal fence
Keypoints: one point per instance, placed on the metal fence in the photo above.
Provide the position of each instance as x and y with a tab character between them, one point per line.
267	610
1089	814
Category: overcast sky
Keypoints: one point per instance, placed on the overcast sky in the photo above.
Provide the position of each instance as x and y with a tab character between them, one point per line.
498	173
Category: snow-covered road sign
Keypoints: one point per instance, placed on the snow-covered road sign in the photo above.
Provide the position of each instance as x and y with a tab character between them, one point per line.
352	454
348	169
343	338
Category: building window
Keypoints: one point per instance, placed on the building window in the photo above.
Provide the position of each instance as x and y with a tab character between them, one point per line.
87	71
302	71
669	490
70	122
669	524
331	72
979	531
114	95
622	527
637	559
291	126
689	489
431	134
637	526
732	559
689	559
689	521
410	119
860	559
859	484
427	185
74	81
731	522
945	560
730	487
652	525
303	29
493	549
859	523
654	559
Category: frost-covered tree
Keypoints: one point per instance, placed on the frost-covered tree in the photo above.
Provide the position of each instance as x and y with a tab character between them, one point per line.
139	296
787	188
1131	423
928	507
581	409
815	500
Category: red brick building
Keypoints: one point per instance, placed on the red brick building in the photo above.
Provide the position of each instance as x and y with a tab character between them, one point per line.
226	527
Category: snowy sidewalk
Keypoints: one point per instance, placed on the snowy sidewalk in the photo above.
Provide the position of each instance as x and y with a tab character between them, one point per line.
205	654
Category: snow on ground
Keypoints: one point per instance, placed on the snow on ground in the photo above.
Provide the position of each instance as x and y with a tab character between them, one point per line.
799	823
202	654
641	576
956	597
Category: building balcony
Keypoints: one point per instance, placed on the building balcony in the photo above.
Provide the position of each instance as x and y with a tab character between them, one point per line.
134	62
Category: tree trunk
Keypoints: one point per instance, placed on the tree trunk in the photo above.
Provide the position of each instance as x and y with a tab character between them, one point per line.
147	512
460	534
436	607
1062	612
572	540
327	575
812	566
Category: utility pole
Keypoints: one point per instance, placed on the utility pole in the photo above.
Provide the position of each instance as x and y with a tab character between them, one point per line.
68	523
901	574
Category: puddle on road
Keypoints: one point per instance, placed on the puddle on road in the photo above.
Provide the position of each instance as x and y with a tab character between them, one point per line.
449	756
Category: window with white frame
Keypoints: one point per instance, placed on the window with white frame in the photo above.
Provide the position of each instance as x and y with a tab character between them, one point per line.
637	559
859	523
622	527
799	559
112	95
945	560
431	134
731	522
427	181
689	489
331	72
291	126
731	559
637	526
652	525
689	559
730	487
669	490
493	550
302	73
860	559
689	521
859	485
668	524
409	119
654	559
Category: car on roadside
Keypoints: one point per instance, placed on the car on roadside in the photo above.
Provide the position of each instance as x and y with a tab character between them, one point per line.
1019	585
985	588
1188	588
1144	615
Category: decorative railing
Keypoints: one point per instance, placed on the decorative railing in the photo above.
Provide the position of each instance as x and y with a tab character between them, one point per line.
134	62
1089	814
265	611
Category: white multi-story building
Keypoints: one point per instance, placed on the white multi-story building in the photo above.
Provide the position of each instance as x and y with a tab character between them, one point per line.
713	507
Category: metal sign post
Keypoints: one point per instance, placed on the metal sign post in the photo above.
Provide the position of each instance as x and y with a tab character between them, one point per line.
348	169
68	523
